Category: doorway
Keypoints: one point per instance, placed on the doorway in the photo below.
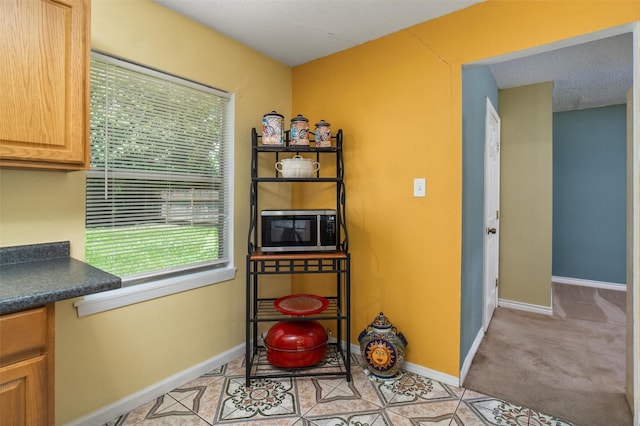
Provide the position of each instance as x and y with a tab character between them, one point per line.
632	282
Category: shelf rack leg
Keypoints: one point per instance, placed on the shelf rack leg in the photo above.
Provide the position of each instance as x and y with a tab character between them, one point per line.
348	321
248	343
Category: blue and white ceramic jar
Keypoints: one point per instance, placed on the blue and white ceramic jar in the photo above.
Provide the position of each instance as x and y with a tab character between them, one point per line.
323	134
299	133
272	131
382	346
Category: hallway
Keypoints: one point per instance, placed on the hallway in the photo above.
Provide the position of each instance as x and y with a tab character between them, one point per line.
571	364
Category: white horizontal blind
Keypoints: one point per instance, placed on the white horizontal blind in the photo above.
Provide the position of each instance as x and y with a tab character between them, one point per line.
158	188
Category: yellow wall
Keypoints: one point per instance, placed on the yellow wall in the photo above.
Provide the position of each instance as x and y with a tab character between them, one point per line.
108	356
42	207
398	99
526	194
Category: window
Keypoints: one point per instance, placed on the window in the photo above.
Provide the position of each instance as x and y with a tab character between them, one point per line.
158	206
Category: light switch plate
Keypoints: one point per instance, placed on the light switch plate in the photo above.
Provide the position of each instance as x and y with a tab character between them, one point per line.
420	187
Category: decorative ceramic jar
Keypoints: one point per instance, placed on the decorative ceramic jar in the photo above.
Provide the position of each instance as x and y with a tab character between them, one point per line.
272	132
297	167
323	134
382	346
299	134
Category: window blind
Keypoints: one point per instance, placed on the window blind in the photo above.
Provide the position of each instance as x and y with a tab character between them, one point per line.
157	198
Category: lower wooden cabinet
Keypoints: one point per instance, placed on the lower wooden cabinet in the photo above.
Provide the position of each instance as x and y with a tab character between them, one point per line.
26	367
23	392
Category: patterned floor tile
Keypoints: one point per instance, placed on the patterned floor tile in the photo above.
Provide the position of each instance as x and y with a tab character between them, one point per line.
539	419
372	418
396	419
305	394
493	411
335	397
365	386
264	399
201	395
174	414
429	412
219	371
341	390
340	408
221	397
164	410
192	420
235	367
139	414
411	388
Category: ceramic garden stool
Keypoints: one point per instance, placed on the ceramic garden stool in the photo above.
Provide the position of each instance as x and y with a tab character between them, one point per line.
382	347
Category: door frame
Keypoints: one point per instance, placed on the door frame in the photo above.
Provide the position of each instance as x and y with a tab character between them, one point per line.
632	180
634	247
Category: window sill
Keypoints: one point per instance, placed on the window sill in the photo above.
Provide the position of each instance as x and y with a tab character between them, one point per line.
100	302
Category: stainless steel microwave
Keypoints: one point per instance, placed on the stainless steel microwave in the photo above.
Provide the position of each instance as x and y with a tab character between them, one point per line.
298	230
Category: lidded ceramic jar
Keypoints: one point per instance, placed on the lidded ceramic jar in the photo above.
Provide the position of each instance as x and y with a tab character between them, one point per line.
299	133
323	134
272	132
382	346
297	167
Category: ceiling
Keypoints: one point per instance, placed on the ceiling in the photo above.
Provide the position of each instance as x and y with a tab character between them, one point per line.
586	75
298	31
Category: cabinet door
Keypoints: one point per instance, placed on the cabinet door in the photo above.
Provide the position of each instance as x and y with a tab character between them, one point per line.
22	334
44	46
23	393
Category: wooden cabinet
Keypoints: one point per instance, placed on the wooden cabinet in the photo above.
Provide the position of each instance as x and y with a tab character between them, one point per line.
27	367
44	83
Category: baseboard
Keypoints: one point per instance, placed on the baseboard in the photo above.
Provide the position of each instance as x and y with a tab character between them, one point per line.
466	365
431	374
149	393
521	306
589	283
423	371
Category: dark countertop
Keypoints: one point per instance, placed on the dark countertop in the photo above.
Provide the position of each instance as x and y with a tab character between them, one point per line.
34	275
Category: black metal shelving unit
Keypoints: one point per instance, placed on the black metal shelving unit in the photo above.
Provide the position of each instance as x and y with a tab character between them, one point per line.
261	309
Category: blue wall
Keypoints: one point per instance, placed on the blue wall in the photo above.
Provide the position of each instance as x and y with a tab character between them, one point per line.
477	85
589	194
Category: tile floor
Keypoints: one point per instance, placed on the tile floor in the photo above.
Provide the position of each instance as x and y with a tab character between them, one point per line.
220	397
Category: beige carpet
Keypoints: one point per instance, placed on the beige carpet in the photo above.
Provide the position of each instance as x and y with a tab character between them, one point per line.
570	365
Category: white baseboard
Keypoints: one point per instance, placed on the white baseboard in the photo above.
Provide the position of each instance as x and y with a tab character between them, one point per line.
423	371
466	365
149	393
589	283
432	374
521	306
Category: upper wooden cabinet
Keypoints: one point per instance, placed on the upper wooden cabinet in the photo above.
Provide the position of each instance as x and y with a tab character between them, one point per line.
44	83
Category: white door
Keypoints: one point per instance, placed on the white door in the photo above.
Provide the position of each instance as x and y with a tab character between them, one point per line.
491	212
